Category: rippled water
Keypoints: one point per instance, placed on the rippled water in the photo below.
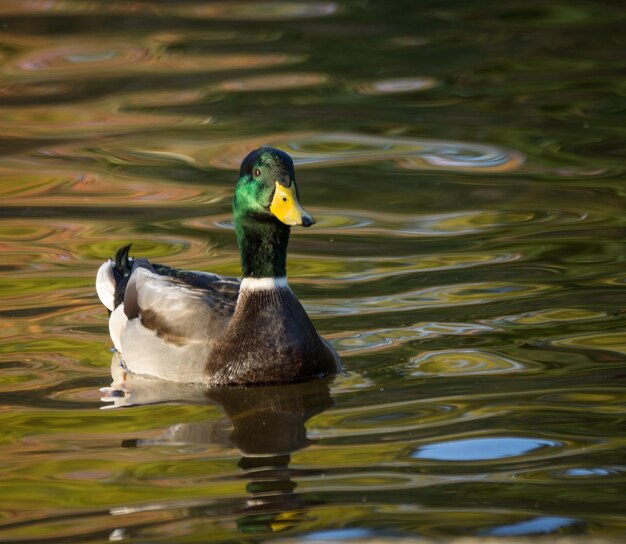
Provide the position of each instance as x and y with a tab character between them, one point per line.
465	162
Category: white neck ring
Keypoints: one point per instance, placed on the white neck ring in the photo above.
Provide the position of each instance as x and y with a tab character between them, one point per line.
263	284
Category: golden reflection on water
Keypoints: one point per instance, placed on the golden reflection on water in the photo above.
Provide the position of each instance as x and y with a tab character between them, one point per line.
364	341
464	362
78	60
258	11
331	149
615	342
74	187
273	82
54	122
431	297
308	150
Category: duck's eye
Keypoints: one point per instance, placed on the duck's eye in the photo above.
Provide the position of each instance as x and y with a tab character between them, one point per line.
284	199
257	172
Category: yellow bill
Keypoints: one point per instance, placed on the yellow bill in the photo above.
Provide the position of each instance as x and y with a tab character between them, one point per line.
286	208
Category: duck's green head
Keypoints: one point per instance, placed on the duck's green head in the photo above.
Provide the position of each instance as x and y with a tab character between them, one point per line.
267	190
265	207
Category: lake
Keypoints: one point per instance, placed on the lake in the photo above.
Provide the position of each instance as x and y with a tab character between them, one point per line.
465	162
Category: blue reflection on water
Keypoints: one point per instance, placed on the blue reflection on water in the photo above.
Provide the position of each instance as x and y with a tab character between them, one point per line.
339	534
479	449
539	525
588	472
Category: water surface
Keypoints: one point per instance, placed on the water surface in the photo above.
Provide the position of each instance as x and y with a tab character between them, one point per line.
465	163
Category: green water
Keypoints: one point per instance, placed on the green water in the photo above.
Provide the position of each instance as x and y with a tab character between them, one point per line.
465	163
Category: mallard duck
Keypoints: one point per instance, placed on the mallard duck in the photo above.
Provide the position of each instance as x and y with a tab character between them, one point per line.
187	326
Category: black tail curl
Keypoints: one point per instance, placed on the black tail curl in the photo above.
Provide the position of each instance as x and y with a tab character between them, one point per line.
123	263
121	270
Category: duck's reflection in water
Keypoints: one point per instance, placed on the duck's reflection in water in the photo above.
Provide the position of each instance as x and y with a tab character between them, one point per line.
265	423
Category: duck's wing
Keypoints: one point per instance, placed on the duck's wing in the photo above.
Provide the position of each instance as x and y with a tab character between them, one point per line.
179	306
167	326
164	321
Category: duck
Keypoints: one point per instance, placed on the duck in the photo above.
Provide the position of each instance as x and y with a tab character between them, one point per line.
197	327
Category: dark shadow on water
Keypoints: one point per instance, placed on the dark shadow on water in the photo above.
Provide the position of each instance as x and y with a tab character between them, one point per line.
269	424
265	423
